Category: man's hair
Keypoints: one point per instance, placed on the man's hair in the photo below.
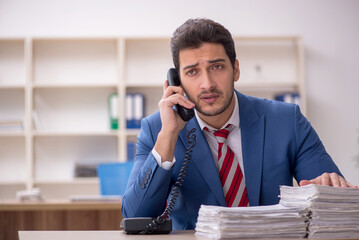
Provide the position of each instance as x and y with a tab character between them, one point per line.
194	32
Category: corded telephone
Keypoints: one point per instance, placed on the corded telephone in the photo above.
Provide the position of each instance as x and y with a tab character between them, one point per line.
174	80
163	224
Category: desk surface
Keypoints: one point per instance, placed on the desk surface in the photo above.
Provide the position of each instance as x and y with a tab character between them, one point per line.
104	235
111	235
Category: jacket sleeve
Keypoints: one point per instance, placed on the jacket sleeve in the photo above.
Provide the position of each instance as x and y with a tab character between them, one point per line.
149	185
312	159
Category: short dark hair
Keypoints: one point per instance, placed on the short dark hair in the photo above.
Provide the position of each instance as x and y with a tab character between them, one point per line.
194	32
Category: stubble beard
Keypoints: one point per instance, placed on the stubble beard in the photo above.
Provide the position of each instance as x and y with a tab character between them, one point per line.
209	113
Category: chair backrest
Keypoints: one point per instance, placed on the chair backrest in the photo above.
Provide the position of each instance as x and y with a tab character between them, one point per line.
113	177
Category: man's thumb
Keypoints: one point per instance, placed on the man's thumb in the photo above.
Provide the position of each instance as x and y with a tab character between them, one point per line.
304	182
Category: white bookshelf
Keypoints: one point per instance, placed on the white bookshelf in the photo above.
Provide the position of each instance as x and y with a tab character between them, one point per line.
59	88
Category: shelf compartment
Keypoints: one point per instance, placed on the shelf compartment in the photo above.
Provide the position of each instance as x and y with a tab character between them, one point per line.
12	160
267	60
72	110
75	61
12	108
12	62
55	157
147	61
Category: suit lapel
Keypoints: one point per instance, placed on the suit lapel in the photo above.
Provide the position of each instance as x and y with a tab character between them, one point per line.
252	134
203	159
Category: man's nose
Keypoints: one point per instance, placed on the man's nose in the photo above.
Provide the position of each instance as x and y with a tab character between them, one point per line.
207	81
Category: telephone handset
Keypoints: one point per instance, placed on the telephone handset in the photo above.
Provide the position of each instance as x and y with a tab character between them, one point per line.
163	224
174	80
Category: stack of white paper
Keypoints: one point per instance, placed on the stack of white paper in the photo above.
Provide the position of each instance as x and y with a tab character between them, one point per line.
334	212
275	221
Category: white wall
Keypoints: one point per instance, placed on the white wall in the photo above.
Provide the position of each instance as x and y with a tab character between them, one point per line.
329	29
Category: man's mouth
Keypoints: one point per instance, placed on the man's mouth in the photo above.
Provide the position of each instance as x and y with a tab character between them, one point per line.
209	98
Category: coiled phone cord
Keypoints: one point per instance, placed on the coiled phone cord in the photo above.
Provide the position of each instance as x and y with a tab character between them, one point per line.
191	143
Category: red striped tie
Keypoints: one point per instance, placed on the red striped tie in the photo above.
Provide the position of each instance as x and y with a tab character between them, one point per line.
233	182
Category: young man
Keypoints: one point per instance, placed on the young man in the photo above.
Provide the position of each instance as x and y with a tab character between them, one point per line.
245	147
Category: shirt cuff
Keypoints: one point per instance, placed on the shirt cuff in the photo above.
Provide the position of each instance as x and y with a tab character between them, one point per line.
165	165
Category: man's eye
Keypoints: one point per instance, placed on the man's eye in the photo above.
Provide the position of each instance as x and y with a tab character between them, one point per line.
191	72
217	67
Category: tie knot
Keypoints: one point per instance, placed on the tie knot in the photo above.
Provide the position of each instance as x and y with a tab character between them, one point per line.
222	134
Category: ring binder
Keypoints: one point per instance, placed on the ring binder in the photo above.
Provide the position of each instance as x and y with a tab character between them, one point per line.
113	111
134	110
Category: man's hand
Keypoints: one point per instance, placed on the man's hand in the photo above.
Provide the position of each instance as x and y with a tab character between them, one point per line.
329	179
172	123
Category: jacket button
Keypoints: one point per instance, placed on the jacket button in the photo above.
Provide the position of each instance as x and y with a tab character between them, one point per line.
145	181
149	171
142	185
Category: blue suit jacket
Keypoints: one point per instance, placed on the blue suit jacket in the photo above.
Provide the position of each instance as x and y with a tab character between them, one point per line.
277	143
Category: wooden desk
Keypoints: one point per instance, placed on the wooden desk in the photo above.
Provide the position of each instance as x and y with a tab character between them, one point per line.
105	235
58	215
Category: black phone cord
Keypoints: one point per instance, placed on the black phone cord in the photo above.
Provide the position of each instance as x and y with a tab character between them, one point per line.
191	143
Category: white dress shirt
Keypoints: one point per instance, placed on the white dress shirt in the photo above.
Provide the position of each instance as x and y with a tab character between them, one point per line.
233	140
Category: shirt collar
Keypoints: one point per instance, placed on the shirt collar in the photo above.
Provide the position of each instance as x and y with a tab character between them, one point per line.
234	119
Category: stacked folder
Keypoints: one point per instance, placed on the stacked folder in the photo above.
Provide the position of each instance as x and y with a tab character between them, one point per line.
134	109
275	221
334	212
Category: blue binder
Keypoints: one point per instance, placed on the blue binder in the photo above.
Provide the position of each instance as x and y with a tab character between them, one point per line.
134	110
288	98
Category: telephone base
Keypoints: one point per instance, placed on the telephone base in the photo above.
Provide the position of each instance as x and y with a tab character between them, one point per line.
138	226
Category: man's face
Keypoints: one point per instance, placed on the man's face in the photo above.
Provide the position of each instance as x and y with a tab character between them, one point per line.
207	77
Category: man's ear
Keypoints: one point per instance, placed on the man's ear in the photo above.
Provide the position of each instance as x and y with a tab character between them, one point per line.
236	71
